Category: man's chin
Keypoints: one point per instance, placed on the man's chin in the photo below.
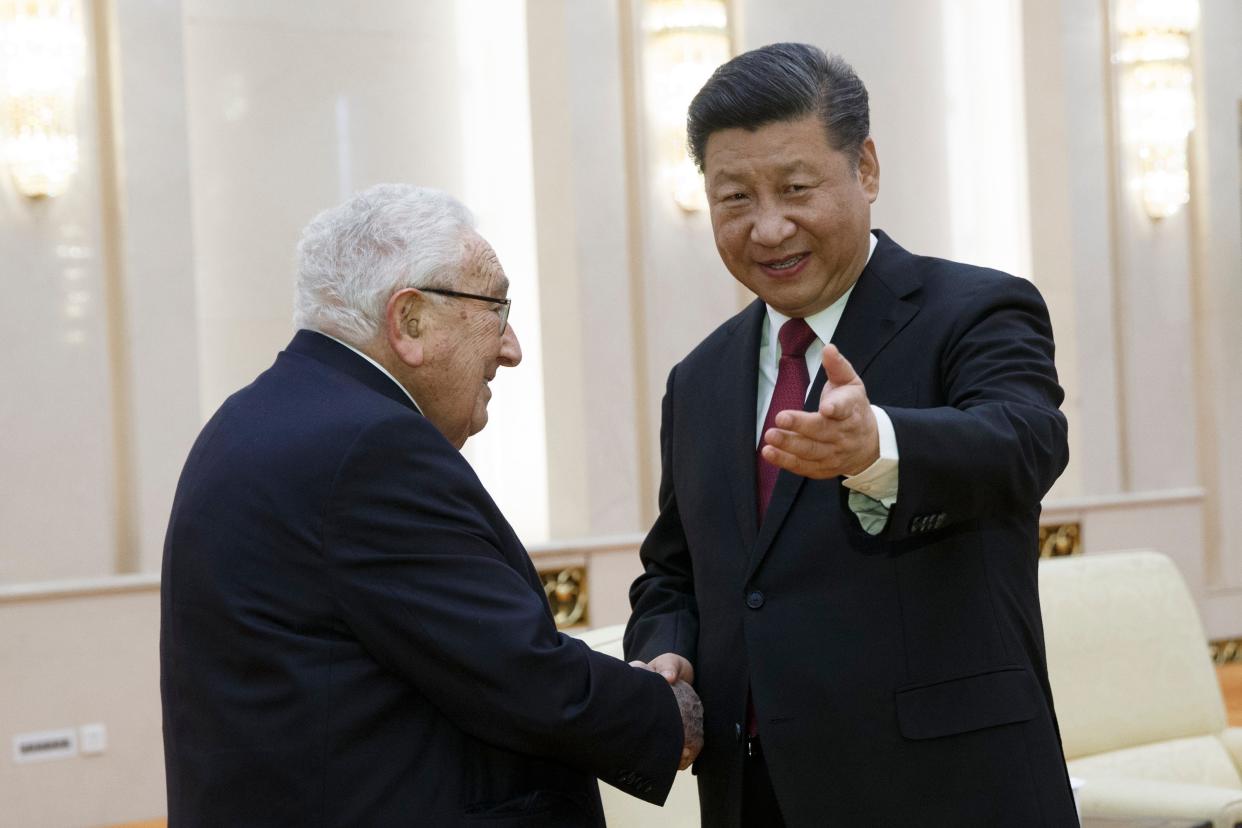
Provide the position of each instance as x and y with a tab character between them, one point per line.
477	424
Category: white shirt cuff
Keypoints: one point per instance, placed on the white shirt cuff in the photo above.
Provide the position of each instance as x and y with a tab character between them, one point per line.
879	480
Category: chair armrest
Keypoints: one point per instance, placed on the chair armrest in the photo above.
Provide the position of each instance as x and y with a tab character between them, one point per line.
1231	738
1133	797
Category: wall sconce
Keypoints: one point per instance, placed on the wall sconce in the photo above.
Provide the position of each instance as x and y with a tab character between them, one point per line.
41	56
1157	96
684	42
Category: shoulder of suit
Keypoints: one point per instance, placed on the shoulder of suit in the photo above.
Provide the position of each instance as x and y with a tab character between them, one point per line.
959	281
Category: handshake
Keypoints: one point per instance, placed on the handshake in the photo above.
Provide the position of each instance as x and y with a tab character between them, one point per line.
679	673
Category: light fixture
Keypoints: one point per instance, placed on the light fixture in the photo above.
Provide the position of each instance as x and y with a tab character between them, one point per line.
1157	97
684	42
41	57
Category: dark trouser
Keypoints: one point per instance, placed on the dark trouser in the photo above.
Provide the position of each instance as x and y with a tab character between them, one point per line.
759	806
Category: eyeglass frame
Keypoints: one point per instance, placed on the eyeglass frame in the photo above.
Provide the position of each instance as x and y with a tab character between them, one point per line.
505	304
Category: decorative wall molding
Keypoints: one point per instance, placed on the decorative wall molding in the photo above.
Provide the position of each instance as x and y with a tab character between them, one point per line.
1226	651
567	594
1058	540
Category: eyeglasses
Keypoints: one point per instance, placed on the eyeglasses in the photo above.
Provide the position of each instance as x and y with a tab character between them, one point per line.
505	304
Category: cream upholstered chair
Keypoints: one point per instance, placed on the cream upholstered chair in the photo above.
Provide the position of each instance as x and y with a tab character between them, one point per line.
1140	709
681	809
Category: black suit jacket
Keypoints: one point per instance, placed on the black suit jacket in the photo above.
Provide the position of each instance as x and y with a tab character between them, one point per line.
353	635
899	679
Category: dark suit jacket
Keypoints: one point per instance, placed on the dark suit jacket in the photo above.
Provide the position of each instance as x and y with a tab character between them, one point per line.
353	635
899	679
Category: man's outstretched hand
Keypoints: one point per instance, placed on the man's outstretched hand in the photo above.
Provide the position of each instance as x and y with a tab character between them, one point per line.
840	438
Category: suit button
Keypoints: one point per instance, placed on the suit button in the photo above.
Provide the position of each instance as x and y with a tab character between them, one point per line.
755	599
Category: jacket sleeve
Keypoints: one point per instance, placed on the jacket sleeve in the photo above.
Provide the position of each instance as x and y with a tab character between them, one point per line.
997	442
414	550
665	617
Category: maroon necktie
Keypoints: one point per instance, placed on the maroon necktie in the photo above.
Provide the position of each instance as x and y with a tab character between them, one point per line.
790	392
792	380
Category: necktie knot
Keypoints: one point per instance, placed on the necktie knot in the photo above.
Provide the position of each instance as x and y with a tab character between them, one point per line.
795	337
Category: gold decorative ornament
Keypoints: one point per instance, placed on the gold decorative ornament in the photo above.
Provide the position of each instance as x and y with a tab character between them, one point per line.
1059	540
1226	651
567	595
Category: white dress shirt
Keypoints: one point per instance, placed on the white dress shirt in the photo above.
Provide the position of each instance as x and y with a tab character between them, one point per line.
878	482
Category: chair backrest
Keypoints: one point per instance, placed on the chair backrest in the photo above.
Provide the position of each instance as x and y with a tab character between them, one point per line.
606	640
1127	655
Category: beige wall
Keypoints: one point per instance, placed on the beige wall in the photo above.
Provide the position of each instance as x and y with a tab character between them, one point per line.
1145	310
100	350
77	656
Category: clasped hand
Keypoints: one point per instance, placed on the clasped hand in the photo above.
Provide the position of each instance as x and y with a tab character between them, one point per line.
839	438
679	673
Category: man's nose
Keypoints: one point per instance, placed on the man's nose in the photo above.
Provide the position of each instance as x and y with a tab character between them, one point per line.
510	348
772	227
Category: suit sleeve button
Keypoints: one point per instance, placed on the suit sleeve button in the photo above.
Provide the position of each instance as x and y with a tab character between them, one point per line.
754	599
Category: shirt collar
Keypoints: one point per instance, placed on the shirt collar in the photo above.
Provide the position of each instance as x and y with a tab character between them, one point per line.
382	369
824	323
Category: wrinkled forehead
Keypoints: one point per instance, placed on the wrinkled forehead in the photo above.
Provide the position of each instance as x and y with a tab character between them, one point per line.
482	269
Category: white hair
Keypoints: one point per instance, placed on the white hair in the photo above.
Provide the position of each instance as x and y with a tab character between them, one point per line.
353	257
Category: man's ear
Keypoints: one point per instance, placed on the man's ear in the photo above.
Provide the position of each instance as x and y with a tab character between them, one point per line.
869	169
405	322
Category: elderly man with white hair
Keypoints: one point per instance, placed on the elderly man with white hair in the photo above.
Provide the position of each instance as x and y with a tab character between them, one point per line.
351	632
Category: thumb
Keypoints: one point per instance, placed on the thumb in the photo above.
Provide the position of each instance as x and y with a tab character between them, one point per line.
837	368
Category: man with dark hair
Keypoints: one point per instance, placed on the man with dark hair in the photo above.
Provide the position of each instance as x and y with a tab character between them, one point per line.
847	572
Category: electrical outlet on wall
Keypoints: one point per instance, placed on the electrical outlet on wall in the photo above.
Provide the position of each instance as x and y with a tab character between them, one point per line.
93	739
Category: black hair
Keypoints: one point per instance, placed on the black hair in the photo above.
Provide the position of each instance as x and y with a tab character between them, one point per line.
781	82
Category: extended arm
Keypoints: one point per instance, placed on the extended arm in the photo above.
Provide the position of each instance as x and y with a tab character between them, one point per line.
995	441
420	578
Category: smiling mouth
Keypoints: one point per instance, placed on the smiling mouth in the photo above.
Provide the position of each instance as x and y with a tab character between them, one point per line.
785	264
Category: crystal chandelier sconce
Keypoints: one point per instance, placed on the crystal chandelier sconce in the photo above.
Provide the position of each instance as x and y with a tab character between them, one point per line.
41	61
1157	97
683	43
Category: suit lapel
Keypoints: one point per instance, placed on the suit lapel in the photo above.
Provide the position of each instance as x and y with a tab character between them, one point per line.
737	408
877	310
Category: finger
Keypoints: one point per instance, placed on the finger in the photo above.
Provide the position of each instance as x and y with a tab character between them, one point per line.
642	665
673	667
798	444
785	460
837	368
666	668
811	424
840	403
